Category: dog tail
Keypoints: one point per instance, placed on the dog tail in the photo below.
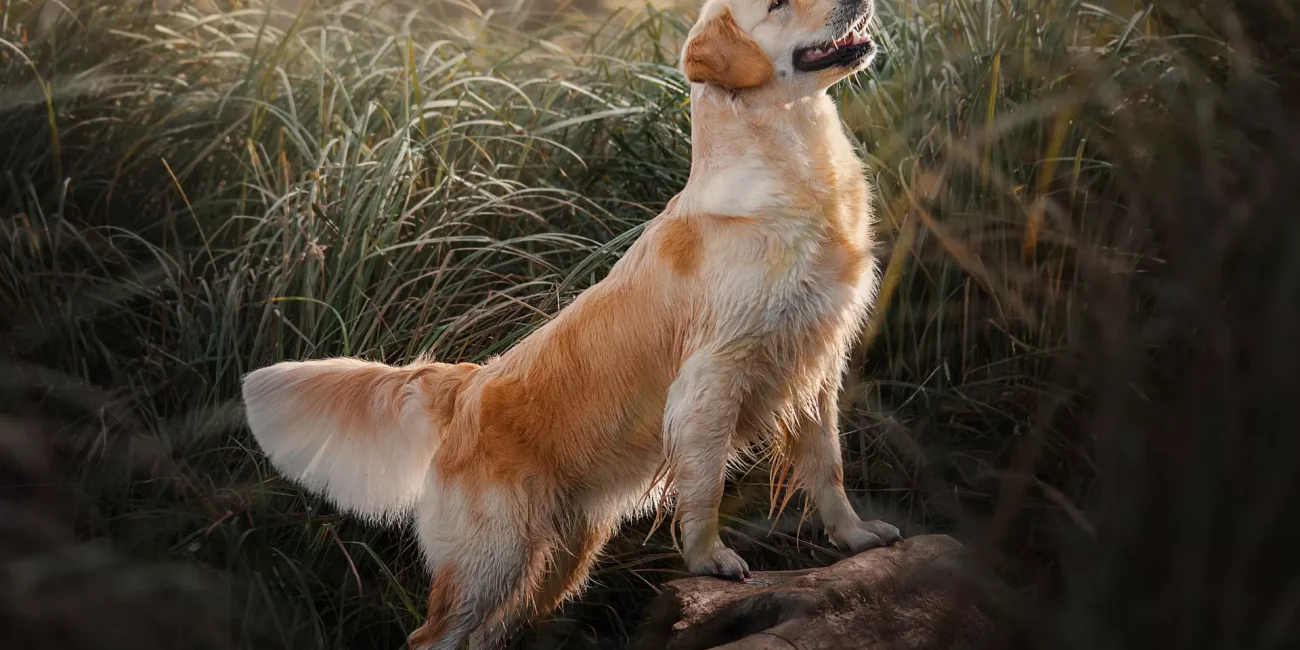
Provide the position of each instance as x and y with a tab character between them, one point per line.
363	434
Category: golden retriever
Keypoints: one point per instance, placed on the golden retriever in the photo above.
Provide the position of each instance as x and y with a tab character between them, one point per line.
726	326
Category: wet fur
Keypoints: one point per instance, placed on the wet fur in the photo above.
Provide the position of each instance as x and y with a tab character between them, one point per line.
726	324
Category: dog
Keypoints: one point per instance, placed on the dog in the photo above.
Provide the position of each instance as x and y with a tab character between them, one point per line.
726	326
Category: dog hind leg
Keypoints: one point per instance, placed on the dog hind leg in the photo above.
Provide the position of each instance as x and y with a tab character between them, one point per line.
488	560
570	566
481	596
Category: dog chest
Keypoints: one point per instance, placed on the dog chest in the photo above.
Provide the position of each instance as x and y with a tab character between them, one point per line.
817	283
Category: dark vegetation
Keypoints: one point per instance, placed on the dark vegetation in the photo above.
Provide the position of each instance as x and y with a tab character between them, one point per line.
1084	361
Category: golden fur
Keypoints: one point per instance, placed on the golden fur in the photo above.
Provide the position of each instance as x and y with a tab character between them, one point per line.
727	324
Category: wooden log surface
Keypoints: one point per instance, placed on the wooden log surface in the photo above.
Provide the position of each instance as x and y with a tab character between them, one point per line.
921	594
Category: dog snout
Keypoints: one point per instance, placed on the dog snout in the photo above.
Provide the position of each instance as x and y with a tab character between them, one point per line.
849	12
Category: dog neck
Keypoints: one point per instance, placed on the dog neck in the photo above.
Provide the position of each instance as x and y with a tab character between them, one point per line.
755	156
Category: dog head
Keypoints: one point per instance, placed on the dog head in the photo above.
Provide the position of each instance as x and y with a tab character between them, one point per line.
796	47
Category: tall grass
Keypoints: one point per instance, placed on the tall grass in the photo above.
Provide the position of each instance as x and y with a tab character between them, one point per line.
191	193
238	194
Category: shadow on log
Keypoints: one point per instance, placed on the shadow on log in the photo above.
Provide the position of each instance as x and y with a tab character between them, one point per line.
923	593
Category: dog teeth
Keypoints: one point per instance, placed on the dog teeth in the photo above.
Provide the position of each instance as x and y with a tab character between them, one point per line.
852	38
818	52
856	36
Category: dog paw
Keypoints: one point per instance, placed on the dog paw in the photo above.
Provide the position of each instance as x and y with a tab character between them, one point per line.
721	562
864	535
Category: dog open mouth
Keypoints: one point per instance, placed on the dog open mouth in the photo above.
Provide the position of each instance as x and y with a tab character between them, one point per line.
845	51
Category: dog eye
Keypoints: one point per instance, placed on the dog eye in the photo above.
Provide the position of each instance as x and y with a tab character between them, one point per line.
777	4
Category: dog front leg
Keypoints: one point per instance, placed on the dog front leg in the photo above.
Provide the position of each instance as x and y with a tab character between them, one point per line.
699	423
820	470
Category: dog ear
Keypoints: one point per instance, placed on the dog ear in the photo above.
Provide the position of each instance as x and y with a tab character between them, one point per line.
720	53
